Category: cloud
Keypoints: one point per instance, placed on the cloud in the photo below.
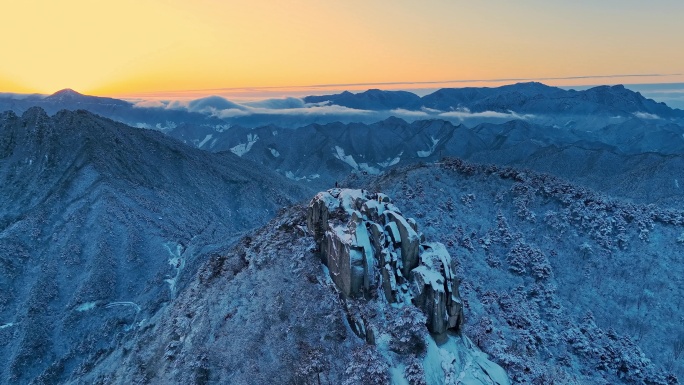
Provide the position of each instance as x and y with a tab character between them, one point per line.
231	113
213	103
316	110
278	104
646	115
177	105
466	114
411	113
149	104
324	110
222	108
291	107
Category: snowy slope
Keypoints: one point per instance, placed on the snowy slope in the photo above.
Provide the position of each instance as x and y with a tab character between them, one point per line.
636	159
232	324
102	225
559	282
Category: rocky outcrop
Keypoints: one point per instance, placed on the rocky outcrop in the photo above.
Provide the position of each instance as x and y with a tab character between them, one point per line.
371	249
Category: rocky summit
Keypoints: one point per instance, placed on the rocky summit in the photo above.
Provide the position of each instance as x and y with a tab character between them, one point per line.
366	244
282	307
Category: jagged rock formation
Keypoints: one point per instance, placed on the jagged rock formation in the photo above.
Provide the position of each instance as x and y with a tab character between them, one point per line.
366	244
232	325
547	271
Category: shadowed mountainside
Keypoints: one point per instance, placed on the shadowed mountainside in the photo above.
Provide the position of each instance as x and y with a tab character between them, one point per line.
101	225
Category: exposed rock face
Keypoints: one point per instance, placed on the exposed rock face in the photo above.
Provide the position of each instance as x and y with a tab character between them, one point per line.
369	247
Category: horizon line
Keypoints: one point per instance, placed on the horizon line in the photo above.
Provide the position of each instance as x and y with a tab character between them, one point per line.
409	83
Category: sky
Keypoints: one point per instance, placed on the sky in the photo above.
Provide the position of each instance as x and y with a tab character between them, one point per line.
171	48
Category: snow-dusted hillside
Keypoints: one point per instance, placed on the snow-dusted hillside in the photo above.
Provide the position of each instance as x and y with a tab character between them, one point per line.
639	160
101	226
269	310
560	284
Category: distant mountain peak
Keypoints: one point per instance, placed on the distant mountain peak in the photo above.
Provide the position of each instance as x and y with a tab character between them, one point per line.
68	98
617	87
67	92
532	83
393	120
371	99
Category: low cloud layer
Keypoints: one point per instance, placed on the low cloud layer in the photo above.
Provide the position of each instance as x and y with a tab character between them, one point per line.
465	113
222	108
149	104
278	104
307	110
646	115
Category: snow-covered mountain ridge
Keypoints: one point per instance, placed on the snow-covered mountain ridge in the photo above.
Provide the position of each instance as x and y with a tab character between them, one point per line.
523	98
102	225
594	107
231	321
636	160
559	283
531	252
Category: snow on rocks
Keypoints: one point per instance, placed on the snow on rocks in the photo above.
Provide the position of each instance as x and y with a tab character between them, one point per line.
457	361
391	161
348	159
367	244
434	278
7	325
243	148
433	147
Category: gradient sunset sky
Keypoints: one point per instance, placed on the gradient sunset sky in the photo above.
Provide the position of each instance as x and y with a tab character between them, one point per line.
166	47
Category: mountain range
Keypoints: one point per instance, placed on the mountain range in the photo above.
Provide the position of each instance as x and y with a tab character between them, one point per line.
519	234
531	101
640	158
553	130
523	98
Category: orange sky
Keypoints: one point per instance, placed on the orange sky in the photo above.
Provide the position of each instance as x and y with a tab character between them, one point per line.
148	47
